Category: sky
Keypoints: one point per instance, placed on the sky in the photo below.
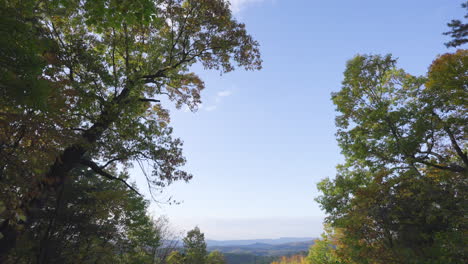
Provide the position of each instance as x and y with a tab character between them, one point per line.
262	140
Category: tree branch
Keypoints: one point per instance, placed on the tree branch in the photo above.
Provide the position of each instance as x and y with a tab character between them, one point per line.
452	167
149	100
109	162
158	74
455	145
453	140
96	168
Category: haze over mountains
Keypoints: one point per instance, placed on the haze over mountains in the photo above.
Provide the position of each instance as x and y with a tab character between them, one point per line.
262	247
277	241
260	251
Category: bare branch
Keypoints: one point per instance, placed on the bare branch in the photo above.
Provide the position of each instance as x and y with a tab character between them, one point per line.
96	168
453	140
149	100
452	167
109	162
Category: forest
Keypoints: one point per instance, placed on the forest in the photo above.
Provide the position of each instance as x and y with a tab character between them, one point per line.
85	88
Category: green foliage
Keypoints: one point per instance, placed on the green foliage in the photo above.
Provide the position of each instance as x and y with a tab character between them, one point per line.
195	247
24	52
81	84
399	196
194	251
215	257
323	250
91	221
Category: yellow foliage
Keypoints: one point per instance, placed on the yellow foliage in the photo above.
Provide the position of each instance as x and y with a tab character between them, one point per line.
292	260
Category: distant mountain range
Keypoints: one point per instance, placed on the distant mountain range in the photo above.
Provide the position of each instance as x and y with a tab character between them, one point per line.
256	251
262	247
278	241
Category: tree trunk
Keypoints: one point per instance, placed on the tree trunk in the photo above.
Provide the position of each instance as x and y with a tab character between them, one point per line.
55	177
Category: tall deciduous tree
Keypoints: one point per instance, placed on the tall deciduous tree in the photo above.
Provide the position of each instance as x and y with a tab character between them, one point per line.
81	85
399	197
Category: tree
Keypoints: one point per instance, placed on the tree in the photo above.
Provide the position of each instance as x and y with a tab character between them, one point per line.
215	257
323	251
194	251
101	68
399	195
382	127
459	32
195	247
170	240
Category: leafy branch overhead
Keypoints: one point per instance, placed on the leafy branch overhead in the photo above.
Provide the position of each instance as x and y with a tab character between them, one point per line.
392	119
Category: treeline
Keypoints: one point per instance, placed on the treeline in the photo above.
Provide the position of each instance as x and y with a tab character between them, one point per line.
244	258
194	251
95	221
81	86
401	195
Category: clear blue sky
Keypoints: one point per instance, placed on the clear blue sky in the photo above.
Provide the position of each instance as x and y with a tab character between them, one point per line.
262	140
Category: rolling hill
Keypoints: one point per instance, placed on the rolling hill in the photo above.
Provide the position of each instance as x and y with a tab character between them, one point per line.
264	249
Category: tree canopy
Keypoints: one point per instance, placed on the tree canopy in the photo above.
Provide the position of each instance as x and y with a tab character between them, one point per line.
400	194
195	247
81	85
